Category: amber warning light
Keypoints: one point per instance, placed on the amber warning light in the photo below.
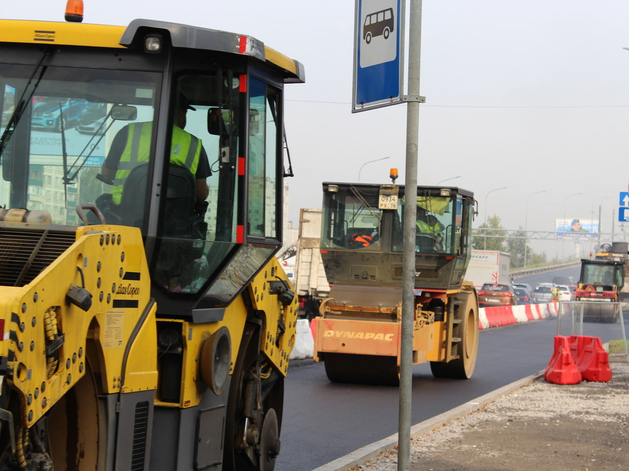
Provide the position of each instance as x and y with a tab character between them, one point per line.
393	174
74	11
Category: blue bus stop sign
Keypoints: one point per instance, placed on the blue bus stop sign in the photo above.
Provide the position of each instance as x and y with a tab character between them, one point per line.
378	75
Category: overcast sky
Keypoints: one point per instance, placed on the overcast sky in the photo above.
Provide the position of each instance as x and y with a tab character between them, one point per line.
528	94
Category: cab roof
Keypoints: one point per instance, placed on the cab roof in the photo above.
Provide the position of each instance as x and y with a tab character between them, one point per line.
181	36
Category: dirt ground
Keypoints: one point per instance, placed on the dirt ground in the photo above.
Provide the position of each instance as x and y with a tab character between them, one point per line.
563	443
540	427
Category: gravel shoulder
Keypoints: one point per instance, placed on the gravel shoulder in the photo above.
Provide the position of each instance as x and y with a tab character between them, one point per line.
582	427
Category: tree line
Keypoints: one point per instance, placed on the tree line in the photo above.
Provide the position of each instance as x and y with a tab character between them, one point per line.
492	236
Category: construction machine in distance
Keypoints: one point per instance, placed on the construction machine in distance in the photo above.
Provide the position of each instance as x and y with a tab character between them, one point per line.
603	283
153	333
358	330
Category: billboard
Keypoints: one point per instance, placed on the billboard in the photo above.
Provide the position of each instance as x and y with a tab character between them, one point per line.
576	228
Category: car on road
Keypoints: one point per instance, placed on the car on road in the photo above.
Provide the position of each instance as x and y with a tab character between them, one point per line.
497	294
524	295
543	293
523	285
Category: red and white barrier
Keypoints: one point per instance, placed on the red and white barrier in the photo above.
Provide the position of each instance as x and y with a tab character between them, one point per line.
505	315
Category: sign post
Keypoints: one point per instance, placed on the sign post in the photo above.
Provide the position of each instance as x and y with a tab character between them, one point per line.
378	82
410	228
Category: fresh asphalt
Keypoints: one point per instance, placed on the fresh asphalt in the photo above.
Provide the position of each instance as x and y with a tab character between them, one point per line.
325	421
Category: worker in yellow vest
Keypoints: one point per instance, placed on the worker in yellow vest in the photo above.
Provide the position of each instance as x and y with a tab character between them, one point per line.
132	146
429	225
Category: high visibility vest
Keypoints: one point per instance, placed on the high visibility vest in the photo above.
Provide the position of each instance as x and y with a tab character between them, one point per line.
185	152
364	240
426	228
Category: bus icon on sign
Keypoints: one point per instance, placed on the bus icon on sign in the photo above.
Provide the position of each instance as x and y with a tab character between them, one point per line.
379	23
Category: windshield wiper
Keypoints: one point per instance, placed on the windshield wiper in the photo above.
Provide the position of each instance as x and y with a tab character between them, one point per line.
69	180
22	102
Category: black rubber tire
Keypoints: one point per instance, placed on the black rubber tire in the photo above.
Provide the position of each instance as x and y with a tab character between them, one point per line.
468	330
363	369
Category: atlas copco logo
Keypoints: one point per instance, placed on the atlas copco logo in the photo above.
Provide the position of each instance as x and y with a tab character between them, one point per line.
128	290
339	334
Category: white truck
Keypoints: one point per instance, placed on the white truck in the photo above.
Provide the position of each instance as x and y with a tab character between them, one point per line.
311	283
488	266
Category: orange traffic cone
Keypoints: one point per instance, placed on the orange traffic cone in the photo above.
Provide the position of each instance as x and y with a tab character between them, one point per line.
592	360
561	369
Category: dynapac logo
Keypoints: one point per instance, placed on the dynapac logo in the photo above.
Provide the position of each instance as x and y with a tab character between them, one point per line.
358	335
128	290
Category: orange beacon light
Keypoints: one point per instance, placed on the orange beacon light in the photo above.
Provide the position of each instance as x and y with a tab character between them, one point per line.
393	174
74	11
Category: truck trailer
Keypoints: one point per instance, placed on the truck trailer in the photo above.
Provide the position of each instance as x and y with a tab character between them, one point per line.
488	266
311	282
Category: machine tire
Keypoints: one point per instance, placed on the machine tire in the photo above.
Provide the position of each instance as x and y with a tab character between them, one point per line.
70	432
249	357
468	330
363	369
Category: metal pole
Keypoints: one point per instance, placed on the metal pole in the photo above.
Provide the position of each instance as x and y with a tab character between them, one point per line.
559	321
624	335
564	221
526	226
410	216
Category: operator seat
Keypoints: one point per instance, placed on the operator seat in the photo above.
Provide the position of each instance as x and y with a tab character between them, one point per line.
181	241
132	201
180	216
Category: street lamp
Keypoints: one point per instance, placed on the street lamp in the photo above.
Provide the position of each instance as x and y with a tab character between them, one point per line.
486	213
448	179
371	161
564	204
526	225
600	229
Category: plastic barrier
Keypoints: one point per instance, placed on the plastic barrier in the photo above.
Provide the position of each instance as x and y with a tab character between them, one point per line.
591	358
561	368
304	342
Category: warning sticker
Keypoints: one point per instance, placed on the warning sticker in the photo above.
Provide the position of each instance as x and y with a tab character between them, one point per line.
114	329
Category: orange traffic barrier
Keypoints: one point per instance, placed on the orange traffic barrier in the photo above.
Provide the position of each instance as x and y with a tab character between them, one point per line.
574	346
561	368
592	360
